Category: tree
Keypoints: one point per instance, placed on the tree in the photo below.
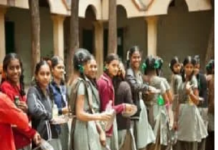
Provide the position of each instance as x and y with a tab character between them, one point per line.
35	32
74	36
210	47
112	36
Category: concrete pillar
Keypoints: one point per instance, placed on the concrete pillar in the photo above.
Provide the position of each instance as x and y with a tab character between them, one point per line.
58	34
99	48
2	33
152	35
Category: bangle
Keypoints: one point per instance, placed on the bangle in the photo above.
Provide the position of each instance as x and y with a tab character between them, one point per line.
167	104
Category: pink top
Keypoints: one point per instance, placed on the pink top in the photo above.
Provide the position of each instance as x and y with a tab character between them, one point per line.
107	93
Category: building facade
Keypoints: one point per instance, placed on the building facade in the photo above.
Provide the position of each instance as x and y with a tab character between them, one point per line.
159	27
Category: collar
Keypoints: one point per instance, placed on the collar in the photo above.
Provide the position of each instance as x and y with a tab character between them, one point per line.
59	88
107	78
40	90
15	88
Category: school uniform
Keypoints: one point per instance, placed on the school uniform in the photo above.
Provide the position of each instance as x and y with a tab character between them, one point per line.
107	93
84	134
191	127
143	132
125	127
60	99
203	105
40	109
158	114
210	139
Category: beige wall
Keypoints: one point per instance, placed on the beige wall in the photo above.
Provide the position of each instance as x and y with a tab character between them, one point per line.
157	7
135	31
17	3
21	18
181	33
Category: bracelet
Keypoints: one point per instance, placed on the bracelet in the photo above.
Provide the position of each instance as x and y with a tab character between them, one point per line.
168	103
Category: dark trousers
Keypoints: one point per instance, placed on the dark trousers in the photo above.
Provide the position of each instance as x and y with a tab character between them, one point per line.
210	141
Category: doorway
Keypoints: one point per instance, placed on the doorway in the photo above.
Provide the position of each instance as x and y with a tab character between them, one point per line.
119	43
9	37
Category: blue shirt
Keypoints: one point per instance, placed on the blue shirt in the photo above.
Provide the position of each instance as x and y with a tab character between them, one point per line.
59	93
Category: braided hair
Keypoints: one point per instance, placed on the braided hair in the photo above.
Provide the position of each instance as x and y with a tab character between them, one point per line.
109	59
186	61
159	70
210	67
6	62
37	69
151	64
130	52
81	57
54	61
174	61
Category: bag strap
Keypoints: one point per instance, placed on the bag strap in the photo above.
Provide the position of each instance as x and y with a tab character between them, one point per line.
73	96
72	102
89	93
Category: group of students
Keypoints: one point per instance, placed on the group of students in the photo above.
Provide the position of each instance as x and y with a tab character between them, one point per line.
176	115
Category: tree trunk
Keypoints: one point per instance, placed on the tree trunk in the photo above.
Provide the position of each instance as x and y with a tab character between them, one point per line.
210	47
35	32
112	36
74	36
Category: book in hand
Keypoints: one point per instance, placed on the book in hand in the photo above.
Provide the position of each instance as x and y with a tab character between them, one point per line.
44	146
110	122
129	112
62	119
109	109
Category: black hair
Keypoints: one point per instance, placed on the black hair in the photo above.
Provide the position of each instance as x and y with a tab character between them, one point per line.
210	67
130	52
197	59
81	57
117	80
93	81
55	61
37	68
6	62
174	61
39	65
159	71
109	59
186	61
151	64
